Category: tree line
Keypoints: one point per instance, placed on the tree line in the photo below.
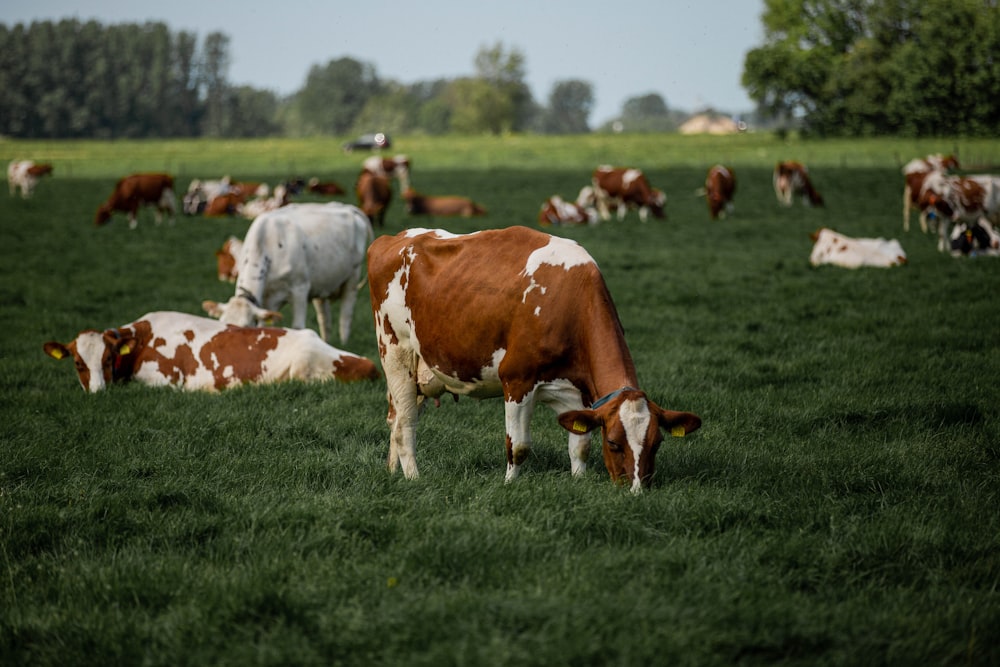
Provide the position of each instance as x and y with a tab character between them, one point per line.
73	79
877	67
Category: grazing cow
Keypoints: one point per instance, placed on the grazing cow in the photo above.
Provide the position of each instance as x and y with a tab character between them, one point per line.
792	178
449	205
977	238
374	194
519	314
137	190
228	259
25	174
326	188
915	172
625	188
557	211
829	247
398	166
198	353
297	253
720	184
957	199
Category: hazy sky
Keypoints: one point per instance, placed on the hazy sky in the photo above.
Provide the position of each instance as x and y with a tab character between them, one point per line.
690	53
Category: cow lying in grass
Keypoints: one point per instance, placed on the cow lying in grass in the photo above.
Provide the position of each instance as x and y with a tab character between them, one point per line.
198	353
829	247
445	206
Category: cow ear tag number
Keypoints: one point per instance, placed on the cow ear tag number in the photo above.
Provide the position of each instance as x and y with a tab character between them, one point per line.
579	427
678	432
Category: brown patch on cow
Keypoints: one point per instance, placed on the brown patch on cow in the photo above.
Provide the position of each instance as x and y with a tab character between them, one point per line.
239	352
353	369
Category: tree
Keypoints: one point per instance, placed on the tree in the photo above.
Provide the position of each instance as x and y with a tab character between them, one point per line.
647	113
570	104
496	100
335	94
213	80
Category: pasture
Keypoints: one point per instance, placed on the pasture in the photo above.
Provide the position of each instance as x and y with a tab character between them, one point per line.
839	506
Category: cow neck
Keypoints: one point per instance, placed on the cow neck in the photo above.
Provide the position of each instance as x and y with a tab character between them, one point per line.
246	294
611	366
122	366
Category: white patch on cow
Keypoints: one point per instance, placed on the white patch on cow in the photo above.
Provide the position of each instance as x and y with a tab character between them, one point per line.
630	176
635	419
538	310
557	252
91	347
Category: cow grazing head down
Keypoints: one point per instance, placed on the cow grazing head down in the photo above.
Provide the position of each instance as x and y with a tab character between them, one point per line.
242	310
518	314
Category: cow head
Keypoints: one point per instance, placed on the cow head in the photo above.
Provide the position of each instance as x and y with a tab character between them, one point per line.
241	311
630	425
656	202
96	355
103	214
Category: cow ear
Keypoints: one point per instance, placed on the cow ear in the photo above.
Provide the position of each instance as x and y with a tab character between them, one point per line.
56	350
679	423
213	308
579	422
267	316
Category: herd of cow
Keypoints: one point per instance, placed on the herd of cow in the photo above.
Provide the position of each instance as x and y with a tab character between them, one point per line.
513	313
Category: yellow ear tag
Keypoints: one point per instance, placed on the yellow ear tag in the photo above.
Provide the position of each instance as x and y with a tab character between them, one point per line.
678	432
56	354
579	427
124	349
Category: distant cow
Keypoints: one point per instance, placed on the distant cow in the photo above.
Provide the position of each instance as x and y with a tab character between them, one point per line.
977	238
228	259
229	203
519	314
138	190
791	179
915	172
960	199
720	185
325	188
297	253
199	353
24	175
437	205
398	166
557	211
829	247
259	205
200	192
625	188
374	194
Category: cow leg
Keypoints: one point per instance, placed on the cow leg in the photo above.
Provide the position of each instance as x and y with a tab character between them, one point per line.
300	306
517	416
322	307
399	366
348	299
563	398
907	195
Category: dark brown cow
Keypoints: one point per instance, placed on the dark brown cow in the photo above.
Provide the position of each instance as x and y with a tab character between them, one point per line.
447	206
915	172
138	190
720	185
626	188
374	194
791	178
198	353
519	314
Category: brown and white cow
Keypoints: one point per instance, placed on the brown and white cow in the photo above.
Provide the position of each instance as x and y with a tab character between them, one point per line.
24	175
720	185
228	259
298	253
259	205
791	179
198	353
438	205
398	166
976	239
324	188
138	190
915	172
830	247
557	211
626	188
374	192
519	314
958	199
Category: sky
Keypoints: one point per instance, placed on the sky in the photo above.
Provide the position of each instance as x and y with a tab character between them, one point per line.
689	53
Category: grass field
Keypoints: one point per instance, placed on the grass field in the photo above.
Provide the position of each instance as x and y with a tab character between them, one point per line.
840	505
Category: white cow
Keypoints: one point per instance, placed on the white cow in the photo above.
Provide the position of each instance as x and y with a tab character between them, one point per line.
297	253
851	253
25	174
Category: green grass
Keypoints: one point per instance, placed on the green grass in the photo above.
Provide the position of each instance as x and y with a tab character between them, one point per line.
839	506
